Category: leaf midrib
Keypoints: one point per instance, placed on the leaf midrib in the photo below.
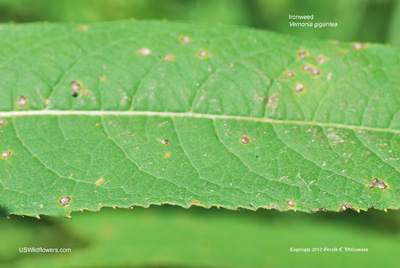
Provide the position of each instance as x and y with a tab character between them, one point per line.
189	115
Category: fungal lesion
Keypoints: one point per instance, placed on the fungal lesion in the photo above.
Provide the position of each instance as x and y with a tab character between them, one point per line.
276	207
308	68
169	57
359	46
6	155
290	203
299	87
2	122
46	102
378	184
289	74
271	101
245	140
86	93
22	102
163	141
184	39
302	53
202	54
75	86
346	206
64	201
322	59
144	51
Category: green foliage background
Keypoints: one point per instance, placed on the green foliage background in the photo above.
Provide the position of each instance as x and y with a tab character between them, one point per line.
175	237
358	20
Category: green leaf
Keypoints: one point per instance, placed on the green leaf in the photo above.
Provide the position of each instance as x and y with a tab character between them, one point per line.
140	113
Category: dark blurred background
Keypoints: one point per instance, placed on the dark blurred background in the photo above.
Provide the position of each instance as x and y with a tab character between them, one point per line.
170	236
358	20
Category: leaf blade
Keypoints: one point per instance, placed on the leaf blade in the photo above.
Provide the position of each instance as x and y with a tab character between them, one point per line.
148	130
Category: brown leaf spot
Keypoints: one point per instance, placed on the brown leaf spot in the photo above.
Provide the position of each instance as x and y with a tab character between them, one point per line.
302	53
289	74
299	87
275	207
245	140
345	206
290	203
75	86
271	101
65	200
22	102
144	51
169	57
322	59
378	184
6	155
202	54
184	39
358	46
164	141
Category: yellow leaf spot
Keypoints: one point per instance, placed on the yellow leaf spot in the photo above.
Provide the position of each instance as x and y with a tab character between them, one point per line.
169	57
167	154
86	93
